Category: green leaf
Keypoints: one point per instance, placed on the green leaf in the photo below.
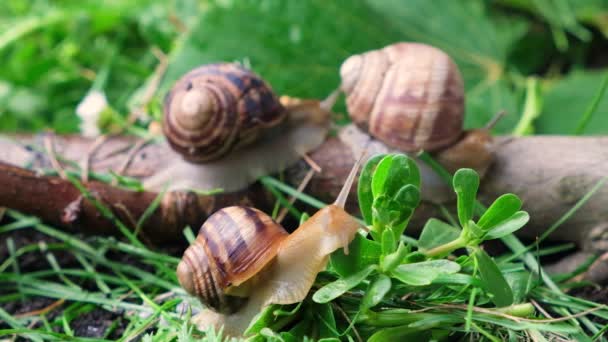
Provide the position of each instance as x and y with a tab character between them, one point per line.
402	171
297	46
364	187
381	175
473	234
436	233
492	280
566	101
362	253
423	273
520	283
390	261
388	242
263	319
376	292
511	225
327	323
400	333
465	183
502	208
337	288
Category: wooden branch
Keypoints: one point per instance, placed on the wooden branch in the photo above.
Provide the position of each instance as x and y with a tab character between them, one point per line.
549	173
58	202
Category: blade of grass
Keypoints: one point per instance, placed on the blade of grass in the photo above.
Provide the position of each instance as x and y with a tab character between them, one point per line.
584	121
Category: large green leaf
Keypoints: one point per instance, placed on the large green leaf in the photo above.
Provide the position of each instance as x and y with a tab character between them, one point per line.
479	42
297	46
492	279
566	101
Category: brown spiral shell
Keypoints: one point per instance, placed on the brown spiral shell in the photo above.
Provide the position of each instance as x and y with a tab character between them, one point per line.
217	108
232	246
409	95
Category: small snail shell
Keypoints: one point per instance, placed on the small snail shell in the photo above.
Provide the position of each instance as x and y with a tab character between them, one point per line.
217	108
409	95
232	246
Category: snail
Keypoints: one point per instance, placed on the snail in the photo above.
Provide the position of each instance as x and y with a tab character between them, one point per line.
411	97
228	128
216	108
242	260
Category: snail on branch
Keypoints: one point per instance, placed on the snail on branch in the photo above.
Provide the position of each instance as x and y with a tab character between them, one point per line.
229	128
411	97
242	260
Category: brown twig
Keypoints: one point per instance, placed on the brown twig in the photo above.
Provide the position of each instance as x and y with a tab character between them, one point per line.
42	311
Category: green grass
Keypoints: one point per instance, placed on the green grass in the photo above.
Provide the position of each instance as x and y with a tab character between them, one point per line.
532	59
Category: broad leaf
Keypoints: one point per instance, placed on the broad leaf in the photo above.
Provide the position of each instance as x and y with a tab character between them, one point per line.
502	208
364	187
297	46
567	100
337	288
510	225
376	292
466	183
381	175
388	242
327	321
423	273
362	253
492	280
436	233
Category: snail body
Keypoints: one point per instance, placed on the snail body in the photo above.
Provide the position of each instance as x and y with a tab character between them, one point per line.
242	260
217	108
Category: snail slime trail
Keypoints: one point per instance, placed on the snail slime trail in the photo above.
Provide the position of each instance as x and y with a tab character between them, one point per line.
242	260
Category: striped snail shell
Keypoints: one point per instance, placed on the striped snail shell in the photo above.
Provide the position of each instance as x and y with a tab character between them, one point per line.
217	108
409	95
232	247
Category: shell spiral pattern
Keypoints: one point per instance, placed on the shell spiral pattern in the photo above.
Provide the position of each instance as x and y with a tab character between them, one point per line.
216	108
232	246
409	95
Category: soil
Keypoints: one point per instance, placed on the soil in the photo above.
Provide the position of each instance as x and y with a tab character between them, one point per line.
96	322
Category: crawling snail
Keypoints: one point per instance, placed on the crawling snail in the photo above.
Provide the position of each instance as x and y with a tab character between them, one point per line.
228	128
242	260
411	97
216	108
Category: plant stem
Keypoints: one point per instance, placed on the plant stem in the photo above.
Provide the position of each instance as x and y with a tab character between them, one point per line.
446	248
519	310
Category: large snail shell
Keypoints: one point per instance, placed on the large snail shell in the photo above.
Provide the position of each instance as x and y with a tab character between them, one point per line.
409	95
216	108
232	246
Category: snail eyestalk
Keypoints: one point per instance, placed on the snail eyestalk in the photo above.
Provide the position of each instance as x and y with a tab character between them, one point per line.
495	119
343	195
